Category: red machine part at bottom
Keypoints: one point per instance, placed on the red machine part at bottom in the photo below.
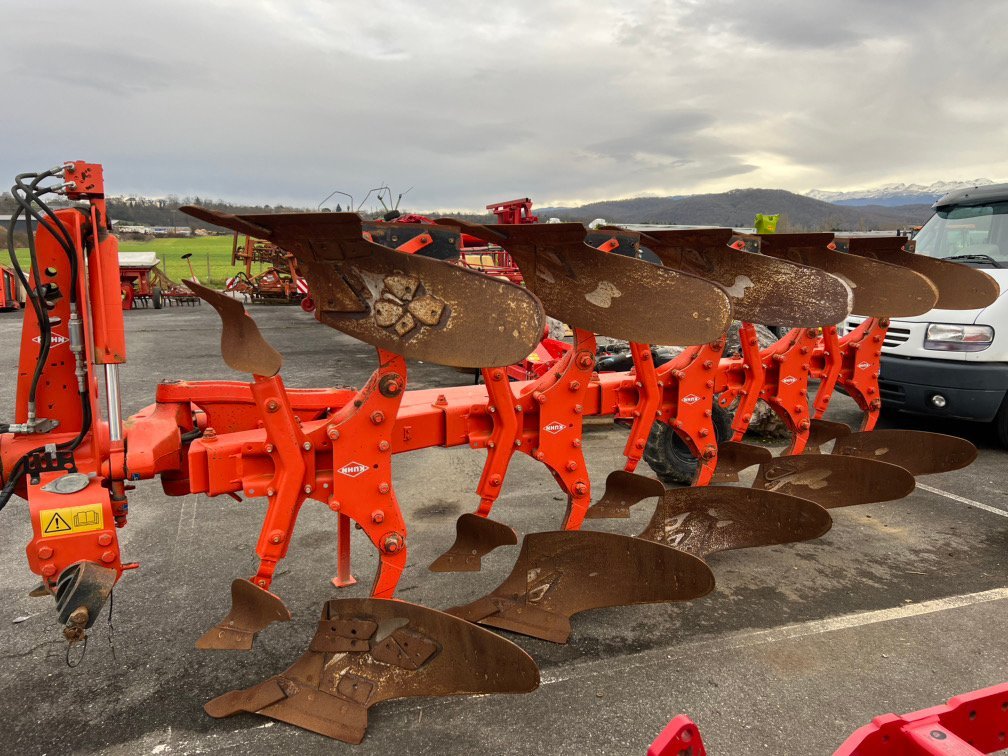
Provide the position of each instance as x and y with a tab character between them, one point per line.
970	724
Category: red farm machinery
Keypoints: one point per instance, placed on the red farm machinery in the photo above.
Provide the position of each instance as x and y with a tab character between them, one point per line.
142	283
73	458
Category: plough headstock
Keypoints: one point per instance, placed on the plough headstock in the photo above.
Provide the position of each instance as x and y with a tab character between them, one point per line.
414	306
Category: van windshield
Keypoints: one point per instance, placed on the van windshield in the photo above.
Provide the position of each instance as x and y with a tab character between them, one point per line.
976	235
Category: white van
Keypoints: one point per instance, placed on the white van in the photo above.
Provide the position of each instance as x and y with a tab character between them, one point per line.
954	363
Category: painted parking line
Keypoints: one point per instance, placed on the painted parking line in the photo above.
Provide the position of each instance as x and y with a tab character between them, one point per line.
746	639
964	500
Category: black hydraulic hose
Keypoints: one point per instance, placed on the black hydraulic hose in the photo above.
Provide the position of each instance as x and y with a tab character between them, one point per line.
26	196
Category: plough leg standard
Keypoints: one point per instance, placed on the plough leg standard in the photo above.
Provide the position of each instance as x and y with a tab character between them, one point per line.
335	446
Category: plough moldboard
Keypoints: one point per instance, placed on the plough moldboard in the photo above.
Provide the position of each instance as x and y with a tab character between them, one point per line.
71	457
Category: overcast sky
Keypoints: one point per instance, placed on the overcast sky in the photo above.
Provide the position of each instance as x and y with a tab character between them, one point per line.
565	102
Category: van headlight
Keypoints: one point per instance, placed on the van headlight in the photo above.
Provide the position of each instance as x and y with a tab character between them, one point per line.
949	337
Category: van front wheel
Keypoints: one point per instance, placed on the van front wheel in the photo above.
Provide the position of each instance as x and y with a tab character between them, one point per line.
1001	423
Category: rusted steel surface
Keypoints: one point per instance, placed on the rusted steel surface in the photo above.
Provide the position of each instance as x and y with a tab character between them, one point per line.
735	456
417	307
623	490
960	287
561	573
252	610
822	432
475	537
834	481
918	452
762	289
703	521
587	288
880	289
242	345
366	651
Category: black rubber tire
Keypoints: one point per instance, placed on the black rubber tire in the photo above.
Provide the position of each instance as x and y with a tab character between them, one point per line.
669	457
156	297
1001	423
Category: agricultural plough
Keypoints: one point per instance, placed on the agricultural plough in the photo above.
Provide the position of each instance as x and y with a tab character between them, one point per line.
72	458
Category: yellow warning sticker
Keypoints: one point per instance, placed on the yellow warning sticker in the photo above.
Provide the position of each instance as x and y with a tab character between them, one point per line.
67	520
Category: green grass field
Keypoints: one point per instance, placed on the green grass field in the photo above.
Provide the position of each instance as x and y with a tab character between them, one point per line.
211	257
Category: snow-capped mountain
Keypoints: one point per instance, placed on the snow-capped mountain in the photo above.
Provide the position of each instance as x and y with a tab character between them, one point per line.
895	194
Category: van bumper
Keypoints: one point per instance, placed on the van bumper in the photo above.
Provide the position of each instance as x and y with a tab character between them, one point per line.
972	390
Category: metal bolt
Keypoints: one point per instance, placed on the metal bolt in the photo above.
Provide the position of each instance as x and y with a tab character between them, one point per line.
377	516
49	570
517	442
540	455
384	488
580	489
104	539
495	480
306	446
704	433
571	465
334	505
708	364
708	413
333	432
392	543
575	385
108	556
576	443
276	537
209	435
270	492
269	448
639	443
491	445
377	417
539	396
709	384
271	406
497	375
578	409
307	489
491	409
261	582
383	445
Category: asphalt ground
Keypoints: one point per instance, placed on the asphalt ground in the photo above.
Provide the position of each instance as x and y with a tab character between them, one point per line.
900	606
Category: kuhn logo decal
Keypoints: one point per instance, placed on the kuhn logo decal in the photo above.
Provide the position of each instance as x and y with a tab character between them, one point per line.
554	427
353	469
690	399
864	365
54	340
789	380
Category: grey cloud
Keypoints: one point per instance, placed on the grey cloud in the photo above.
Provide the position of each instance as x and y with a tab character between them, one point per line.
284	101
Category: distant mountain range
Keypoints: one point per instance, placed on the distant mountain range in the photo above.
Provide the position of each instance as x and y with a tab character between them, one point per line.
893	195
738	207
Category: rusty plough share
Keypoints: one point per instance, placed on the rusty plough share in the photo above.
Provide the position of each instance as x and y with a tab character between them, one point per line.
335	445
